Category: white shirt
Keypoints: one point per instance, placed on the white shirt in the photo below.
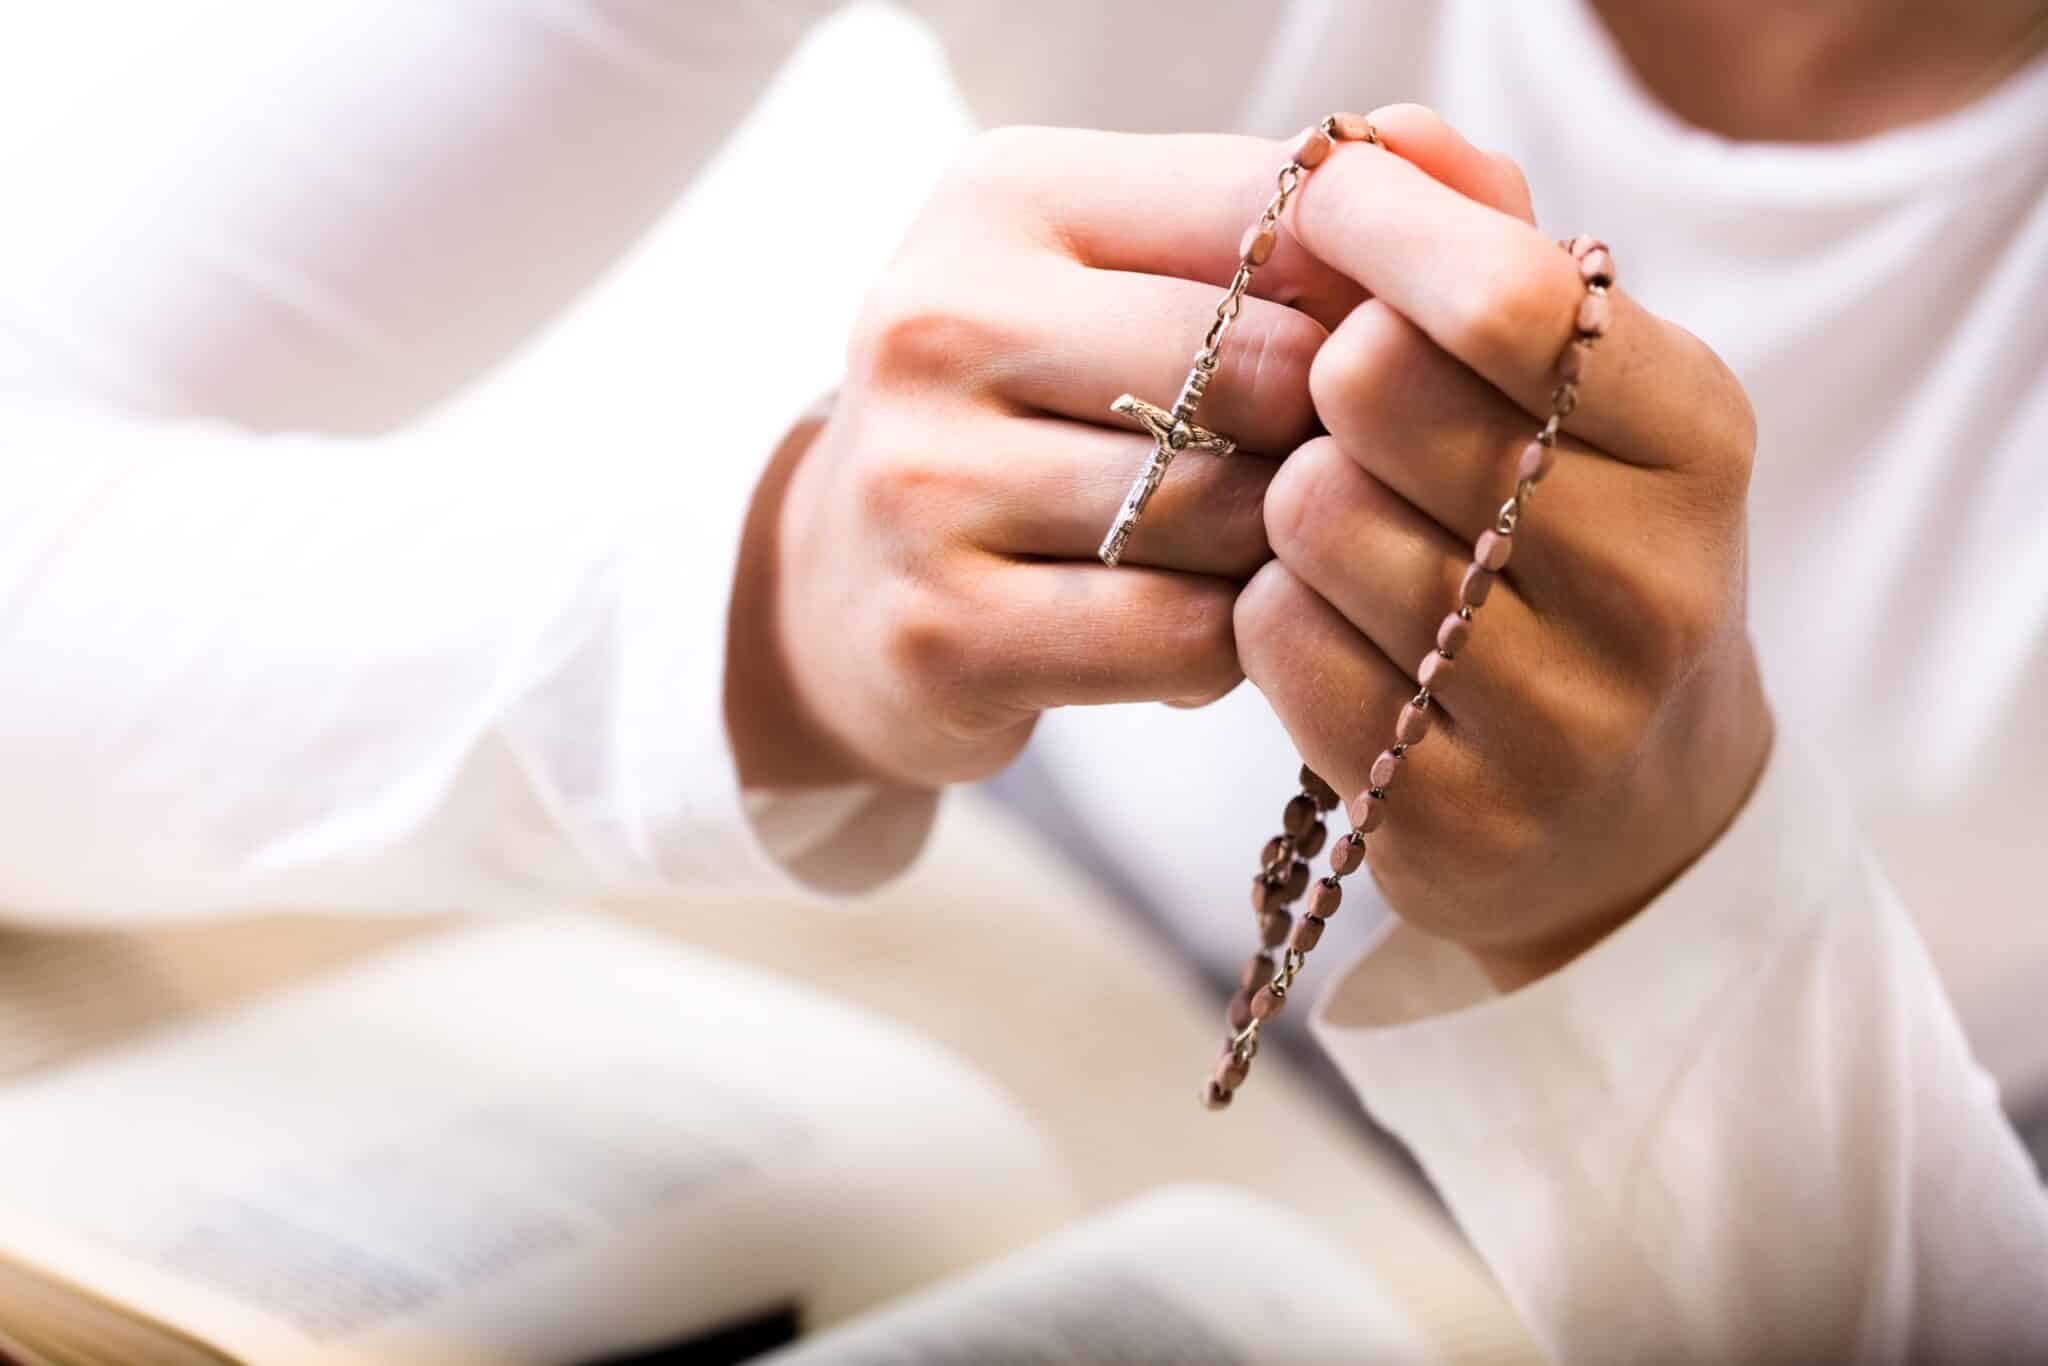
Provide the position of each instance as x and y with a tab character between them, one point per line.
275	629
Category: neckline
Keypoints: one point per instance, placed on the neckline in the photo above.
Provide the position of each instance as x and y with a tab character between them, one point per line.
1998	124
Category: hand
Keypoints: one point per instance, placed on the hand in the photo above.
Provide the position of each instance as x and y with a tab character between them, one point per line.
1605	722
918	580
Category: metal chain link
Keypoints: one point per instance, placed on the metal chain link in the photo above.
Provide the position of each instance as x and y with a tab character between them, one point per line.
1232	303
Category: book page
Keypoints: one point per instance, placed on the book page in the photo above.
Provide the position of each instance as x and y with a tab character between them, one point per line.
1188	1276
993	930
534	1141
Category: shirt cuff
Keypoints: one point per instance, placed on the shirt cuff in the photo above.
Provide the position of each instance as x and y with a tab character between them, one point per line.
1447	1063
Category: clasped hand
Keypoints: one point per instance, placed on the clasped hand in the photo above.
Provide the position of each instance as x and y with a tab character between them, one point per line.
919	583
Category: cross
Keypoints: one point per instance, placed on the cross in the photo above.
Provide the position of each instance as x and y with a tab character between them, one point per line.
1172	432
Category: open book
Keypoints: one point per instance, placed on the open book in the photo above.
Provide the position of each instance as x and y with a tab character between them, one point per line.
1188	1276
565	1141
548	1141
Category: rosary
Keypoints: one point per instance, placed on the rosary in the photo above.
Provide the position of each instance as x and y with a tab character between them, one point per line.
1283	876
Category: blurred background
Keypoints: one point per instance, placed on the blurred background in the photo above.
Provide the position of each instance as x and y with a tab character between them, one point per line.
1051	1094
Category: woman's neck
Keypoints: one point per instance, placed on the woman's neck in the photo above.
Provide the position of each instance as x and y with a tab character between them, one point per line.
1821	70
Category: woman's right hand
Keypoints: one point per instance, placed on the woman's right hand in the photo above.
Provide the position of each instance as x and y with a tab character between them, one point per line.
918	580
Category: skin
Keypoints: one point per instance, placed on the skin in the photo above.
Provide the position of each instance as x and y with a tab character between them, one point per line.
1821	70
917	581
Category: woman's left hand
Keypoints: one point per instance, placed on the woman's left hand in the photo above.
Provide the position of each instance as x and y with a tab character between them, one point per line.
1605	721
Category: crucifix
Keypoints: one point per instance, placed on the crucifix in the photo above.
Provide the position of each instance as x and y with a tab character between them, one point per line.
1172	431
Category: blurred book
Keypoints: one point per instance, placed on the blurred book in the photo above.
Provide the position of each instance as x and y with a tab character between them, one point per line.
1188	1276
288	1064
550	1141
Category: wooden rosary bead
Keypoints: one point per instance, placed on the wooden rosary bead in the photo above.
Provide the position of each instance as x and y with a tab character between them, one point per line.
1311	842
1413	723
1435	666
1593	315
1265	895
1239	1012
1537	458
1257	247
1350	128
1324	899
1312	783
1372	812
1231	1070
1571	366
1596	267
1492	549
1478	582
1454	634
1385	769
1278	849
1266	1002
1311	149
1308	932
1257	971
1299	815
1564	399
1296	884
1273	927
1347	855
1215	1097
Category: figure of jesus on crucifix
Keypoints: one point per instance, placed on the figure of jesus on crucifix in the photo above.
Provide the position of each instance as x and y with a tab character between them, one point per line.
1172	432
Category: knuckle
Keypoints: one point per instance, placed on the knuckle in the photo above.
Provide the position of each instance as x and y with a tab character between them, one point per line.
1746	432
910	332
1525	297
925	641
1264	617
996	154
1513	190
1298	495
1496	848
1727	426
1346	376
1740	438
1596	731
896	489
997	750
1680	622
1195	630
1277	359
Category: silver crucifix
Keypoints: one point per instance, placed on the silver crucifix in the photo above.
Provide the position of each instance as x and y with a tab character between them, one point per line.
1172	432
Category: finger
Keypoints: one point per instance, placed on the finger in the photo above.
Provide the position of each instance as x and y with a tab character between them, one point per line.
1173	205
1049	488
1082	338
1501	297
1077	634
1393	573
1424	140
1449	443
1333	689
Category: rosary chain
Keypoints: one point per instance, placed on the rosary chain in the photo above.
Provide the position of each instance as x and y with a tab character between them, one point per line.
1283	875
1310	150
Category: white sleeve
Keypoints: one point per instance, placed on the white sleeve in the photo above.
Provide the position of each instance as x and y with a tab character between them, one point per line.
274	634
333	213
269	671
1746	1127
